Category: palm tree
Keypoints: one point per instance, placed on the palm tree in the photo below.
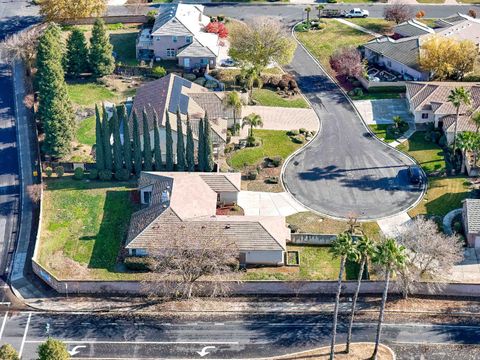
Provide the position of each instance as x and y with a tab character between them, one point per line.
253	120
476	120
320	8
468	141
391	257
397	120
458	97
252	77
363	250
234	101
307	10
343	248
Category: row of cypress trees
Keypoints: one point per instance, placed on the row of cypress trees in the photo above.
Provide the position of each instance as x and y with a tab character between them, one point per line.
124	158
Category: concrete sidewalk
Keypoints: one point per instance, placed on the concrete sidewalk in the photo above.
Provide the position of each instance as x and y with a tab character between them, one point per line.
393	225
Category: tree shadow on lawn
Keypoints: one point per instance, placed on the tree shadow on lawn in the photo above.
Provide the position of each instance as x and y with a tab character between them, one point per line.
446	202
124	46
67	182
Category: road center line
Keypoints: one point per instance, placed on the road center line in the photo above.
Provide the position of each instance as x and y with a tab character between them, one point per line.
3	324
138	342
25	335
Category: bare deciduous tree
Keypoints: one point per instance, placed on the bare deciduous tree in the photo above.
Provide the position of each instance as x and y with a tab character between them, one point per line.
189	252
430	253
347	61
35	192
398	12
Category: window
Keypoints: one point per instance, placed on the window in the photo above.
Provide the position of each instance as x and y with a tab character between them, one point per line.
171	53
203	61
424	115
174	38
146	197
188	39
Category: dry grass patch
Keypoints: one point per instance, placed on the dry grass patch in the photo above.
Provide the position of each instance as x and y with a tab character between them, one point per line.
358	351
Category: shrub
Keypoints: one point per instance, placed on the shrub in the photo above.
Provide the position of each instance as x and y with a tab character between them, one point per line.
297	139
190	76
8	352
122	175
277	161
210	84
358	92
200	81
151	16
251	141
59	170
78	174
93	175
293	132
159	71
302	131
137	263
49	171
293	228
442	142
217	27
105	175
272	180
332	1
252	175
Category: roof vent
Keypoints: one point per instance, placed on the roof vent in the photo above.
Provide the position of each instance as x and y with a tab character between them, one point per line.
165	196
227	226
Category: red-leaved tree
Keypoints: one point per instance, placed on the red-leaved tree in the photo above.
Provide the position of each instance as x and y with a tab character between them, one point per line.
347	61
216	27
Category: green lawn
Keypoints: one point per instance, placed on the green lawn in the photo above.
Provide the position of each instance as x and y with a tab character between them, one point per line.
381	131
274	143
323	43
124	43
86	131
83	226
268	97
443	195
89	94
428	154
380	26
377	95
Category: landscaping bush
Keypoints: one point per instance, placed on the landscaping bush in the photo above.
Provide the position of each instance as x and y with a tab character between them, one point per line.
190	76
358	92
105	175
293	228
252	175
59	170
272	180
251	141
78	174
297	139
276	161
293	132
137	263
210	84
159	71
332	1
93	174
49	171
302	131
151	16
442	142
122	175
200	81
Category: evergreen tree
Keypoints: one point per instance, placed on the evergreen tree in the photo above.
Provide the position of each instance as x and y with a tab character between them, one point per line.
127	144
100	157
53	350
137	146
107	146
209	163
8	352
190	147
180	144
169	144
201	146
147	146
55	109
117	142
101	58
156	143
76	57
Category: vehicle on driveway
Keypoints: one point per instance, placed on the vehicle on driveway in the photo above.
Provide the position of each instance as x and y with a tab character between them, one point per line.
357	13
415	175
337	13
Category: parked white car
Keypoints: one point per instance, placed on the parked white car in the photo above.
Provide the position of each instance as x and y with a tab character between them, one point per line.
357	13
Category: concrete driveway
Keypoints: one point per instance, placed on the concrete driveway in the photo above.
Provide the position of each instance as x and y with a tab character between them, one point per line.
257	203
344	171
382	111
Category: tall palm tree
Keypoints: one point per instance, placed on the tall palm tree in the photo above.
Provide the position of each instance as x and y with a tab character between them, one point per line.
252	76
468	141
319	8
307	10
391	257
458	97
364	248
343	248
234	101
253	120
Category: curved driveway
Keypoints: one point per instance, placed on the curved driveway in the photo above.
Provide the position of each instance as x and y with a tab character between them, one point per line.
344	171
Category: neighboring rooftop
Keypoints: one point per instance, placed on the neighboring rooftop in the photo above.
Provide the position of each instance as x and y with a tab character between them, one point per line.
472	207
405	50
412	28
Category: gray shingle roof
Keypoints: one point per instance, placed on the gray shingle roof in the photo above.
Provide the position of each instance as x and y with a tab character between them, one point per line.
195	50
472	207
219	183
213	105
405	51
412	28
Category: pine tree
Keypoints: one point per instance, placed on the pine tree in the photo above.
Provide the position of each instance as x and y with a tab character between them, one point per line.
156	143
100	158
101	58
76	57
137	146
180	144
169	144
117	142
147	146
107	146
209	163
127	145
201	146
190	147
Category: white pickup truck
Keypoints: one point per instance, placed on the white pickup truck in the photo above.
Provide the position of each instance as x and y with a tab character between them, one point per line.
356	13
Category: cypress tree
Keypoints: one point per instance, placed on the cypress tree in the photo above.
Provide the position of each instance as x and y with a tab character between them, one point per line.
137	146
190	147
76	57
201	146
169	144
101	58
107	146
208	145
117	142
100	158
156	143
147	146
180	144
127	144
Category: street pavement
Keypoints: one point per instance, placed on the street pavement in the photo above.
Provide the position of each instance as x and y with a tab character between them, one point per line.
92	336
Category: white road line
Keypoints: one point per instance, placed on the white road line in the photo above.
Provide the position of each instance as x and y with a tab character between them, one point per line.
139	342
3	324
25	335
431	343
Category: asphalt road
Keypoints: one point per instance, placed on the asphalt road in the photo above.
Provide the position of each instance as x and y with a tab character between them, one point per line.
247	337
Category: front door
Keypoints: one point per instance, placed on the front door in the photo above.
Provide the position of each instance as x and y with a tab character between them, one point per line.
186	62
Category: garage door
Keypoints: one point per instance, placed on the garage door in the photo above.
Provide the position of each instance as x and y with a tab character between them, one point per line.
477	242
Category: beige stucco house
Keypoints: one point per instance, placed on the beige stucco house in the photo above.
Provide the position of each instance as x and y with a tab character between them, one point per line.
178	34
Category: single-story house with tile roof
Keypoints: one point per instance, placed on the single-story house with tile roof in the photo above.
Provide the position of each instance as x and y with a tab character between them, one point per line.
174	199
172	92
428	102
471	221
178	33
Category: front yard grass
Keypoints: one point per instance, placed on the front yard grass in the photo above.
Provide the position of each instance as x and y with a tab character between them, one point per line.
267	97
428	154
86	131
443	195
380	130
83	226
274	143
380	26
